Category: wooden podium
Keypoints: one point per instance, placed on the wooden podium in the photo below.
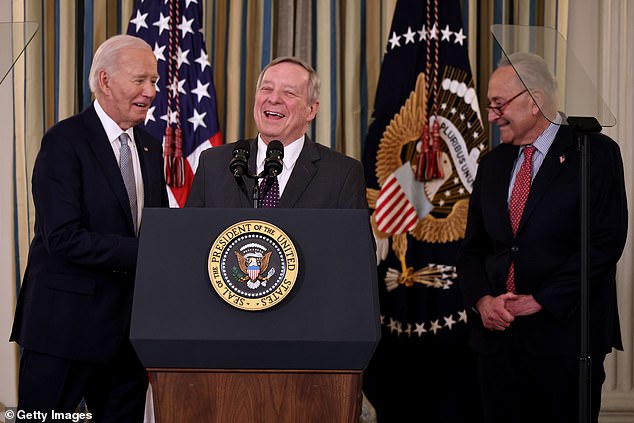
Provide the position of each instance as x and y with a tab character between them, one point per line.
301	360
282	396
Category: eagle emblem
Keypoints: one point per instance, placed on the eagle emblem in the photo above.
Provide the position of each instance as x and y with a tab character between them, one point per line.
253	265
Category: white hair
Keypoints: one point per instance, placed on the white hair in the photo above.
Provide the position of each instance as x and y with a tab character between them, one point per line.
533	71
107	54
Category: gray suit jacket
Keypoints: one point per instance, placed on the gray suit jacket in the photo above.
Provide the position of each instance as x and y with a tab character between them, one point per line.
322	178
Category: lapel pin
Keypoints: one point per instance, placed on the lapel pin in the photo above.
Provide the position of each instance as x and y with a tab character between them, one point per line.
146	149
562	159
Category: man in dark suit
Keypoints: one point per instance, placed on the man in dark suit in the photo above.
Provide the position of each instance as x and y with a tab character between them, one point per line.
313	176
73	312
520	269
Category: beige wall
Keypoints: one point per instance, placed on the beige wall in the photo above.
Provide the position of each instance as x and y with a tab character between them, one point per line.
8	351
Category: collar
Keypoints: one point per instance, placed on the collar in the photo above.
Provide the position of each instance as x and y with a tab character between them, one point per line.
112	129
291	153
545	140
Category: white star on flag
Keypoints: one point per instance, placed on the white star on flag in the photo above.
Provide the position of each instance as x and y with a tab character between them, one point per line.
201	90
163	23
158	52
197	119
139	20
185	27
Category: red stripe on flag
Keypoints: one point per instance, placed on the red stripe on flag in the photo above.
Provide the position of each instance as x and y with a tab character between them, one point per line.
216	140
394	213
403	220
405	224
398	202
387	193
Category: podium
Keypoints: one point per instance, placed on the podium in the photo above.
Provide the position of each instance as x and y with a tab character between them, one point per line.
299	360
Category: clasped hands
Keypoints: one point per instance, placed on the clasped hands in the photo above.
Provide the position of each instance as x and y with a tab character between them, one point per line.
499	312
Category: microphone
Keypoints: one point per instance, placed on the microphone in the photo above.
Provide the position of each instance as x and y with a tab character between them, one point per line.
273	163
240	157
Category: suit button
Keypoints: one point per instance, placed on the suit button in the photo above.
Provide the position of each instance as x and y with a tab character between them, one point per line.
515	248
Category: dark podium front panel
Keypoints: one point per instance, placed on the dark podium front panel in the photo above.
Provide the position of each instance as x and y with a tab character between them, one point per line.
330	320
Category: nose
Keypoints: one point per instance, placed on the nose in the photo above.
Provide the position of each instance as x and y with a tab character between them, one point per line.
149	89
492	115
274	97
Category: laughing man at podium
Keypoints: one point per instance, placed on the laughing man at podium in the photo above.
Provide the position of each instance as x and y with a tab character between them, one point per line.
519	266
295	172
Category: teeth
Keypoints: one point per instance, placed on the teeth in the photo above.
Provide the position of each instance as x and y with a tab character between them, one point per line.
268	114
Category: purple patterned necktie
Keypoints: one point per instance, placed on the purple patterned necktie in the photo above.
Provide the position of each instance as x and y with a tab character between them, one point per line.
269	195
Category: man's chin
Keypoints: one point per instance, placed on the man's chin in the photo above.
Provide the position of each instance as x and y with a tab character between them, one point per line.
505	136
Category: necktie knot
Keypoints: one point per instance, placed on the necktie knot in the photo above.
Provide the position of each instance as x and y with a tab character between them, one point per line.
528	152
123	138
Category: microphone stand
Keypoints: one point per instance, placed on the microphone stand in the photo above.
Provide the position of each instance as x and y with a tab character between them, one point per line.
256	194
272	166
584	126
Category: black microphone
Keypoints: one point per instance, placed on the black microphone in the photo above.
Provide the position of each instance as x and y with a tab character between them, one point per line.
239	164
273	163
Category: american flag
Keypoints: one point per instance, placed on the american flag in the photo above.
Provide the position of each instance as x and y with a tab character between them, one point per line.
186	97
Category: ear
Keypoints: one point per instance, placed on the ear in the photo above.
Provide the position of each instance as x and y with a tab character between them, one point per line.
103	79
538	101
313	110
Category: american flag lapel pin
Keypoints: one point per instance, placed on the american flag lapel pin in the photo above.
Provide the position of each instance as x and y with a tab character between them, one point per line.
562	159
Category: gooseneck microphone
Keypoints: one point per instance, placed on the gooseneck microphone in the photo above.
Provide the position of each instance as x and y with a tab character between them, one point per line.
273	163
239	164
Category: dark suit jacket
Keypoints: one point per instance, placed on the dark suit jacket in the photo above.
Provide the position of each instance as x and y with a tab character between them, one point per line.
546	249
321	178
76	297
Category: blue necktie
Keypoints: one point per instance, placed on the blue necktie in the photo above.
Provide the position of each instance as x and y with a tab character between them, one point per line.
127	172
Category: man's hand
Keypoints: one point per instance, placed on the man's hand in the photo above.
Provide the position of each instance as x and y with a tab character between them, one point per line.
493	311
522	305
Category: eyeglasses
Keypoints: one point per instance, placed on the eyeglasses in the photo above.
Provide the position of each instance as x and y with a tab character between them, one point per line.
499	109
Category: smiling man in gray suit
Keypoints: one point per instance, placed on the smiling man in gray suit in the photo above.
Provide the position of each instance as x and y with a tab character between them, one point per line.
313	176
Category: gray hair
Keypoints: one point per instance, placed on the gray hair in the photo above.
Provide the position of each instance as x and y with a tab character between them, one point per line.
107	54
314	82
534	73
